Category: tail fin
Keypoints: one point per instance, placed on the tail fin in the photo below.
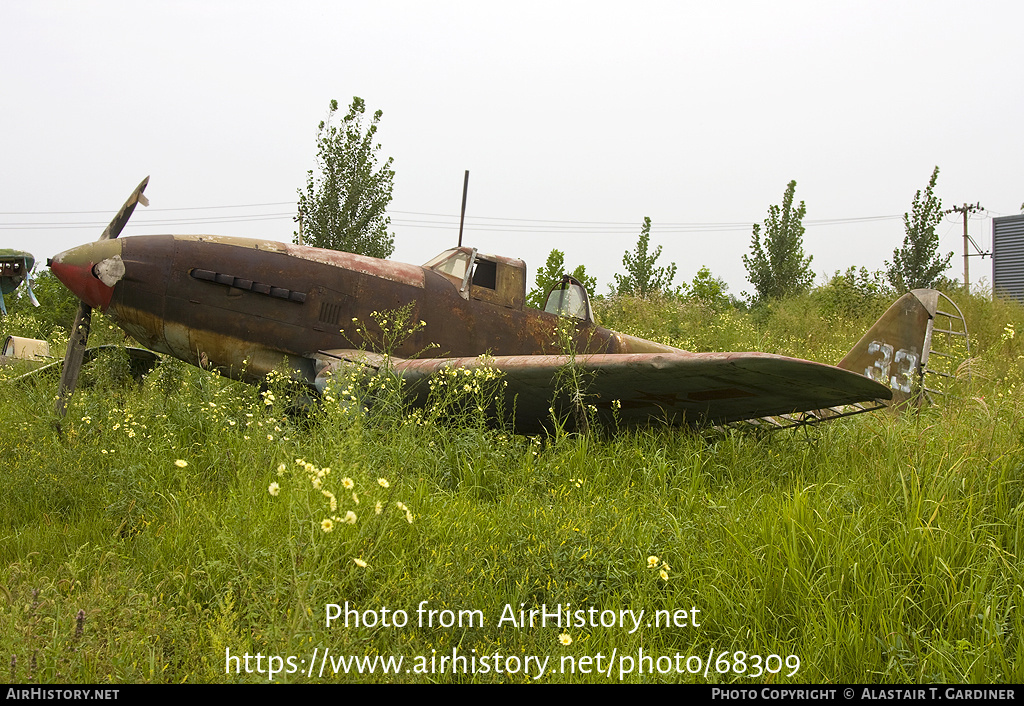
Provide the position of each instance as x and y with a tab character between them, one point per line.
897	349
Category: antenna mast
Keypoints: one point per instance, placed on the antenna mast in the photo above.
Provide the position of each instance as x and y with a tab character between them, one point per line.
462	219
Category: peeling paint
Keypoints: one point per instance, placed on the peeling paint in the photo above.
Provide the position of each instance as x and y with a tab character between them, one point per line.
109	271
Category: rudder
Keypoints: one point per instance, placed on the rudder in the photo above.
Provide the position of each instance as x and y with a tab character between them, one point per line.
896	350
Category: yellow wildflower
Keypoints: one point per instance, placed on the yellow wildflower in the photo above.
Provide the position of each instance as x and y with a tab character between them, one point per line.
330	497
274	489
565	639
327	525
360	563
181	463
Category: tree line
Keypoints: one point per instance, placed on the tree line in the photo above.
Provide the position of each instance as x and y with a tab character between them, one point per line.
343	206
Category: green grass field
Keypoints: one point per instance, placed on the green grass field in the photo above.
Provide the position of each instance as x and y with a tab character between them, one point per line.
180	525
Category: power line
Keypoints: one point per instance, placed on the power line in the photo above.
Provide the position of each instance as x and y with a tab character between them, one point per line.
441	221
148	210
656	224
744	224
144	223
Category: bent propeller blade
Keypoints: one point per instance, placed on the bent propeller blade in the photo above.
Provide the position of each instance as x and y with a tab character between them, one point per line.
73	358
119	221
80	331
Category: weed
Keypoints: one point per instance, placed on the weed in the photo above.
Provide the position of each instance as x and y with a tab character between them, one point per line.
887	551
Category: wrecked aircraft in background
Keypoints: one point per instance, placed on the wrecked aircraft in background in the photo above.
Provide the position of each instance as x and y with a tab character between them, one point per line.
15	268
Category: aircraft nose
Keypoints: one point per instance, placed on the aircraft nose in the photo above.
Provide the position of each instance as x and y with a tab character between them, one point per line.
90	271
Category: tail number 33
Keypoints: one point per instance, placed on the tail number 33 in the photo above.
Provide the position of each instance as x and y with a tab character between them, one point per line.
902	365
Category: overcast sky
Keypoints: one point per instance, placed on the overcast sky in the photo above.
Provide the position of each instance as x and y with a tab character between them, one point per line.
575	119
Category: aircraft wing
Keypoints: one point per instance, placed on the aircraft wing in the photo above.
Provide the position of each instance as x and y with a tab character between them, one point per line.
675	388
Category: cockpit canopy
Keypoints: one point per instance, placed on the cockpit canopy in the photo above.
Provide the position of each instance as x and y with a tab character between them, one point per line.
490	278
502	280
452	263
569	298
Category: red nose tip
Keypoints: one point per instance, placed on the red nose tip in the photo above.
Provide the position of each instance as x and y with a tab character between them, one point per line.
80	269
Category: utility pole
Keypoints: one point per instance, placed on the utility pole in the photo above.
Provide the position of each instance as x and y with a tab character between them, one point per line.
966	210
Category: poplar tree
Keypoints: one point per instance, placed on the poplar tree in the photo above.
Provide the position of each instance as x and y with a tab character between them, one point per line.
343	206
777	267
918	264
642	278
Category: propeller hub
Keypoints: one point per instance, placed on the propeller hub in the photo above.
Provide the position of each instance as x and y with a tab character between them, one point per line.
91	271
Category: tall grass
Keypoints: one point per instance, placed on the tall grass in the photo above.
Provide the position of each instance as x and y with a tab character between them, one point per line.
146	545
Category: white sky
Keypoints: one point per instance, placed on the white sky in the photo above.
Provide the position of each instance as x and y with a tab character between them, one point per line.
690	113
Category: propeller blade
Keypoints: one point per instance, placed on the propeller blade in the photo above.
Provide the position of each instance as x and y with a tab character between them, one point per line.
80	331
31	294
121	219
73	358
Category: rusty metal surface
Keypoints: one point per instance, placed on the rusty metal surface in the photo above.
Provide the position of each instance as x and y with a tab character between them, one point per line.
178	295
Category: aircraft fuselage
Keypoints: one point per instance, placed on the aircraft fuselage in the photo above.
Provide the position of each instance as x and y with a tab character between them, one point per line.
243	306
